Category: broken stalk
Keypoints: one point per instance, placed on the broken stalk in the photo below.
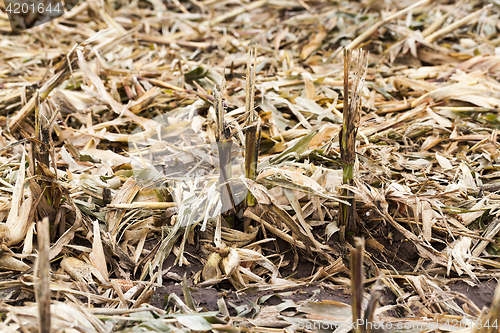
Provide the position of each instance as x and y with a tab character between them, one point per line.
253	129
347	138
223	139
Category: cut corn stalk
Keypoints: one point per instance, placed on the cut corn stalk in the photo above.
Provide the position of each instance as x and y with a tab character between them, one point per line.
253	129
224	143
357	283
347	137
43	267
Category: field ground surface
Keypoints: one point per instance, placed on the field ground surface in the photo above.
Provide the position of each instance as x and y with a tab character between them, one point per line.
251	166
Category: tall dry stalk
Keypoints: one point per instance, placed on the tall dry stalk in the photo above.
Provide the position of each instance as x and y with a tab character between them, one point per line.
43	181
347	137
253	130
223	139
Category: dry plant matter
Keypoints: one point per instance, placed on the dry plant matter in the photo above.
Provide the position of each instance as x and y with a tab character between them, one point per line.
202	165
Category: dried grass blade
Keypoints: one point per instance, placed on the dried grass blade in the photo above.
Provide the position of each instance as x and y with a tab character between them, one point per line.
62	74
363	36
97	256
237	11
471	18
124	196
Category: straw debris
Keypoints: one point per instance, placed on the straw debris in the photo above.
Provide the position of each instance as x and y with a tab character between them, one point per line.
192	166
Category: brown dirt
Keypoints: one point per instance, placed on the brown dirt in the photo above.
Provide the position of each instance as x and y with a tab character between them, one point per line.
481	294
398	255
207	297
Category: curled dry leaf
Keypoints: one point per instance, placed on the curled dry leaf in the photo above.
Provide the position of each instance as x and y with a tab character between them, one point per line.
231	262
9	263
81	271
77	269
18	219
211	269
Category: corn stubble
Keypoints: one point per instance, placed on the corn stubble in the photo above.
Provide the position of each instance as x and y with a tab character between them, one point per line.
347	137
253	129
362	317
42	287
223	139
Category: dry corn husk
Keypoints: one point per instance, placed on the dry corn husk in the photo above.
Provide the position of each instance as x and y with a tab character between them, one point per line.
125	285
81	271
230	263
77	269
238	238
211	269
